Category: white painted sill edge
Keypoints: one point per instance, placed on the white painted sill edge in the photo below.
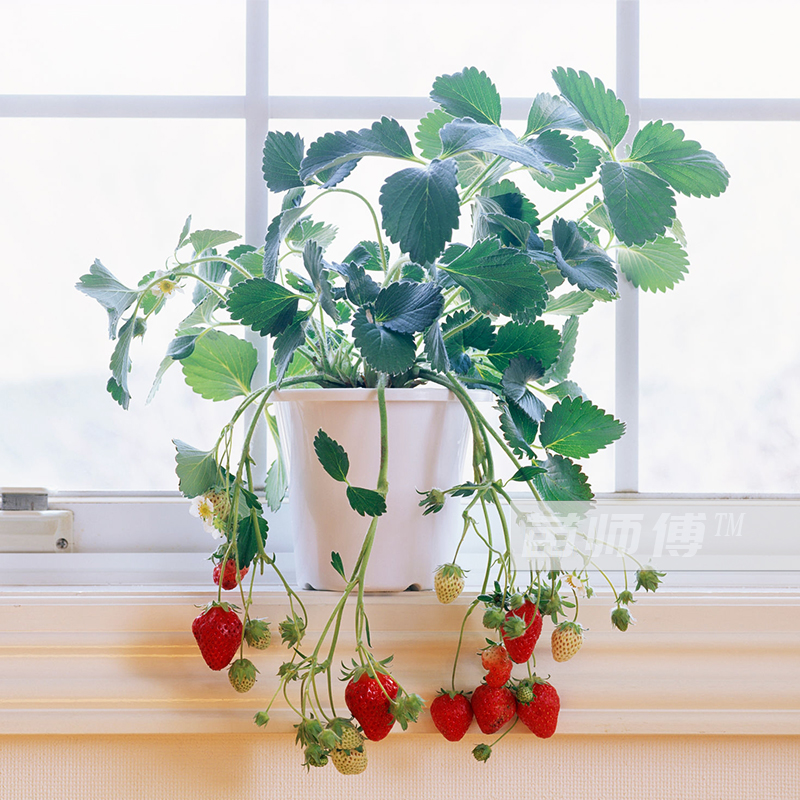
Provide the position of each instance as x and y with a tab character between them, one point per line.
123	661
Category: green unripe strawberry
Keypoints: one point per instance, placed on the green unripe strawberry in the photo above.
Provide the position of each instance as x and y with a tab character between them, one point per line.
257	633
349	756
242	675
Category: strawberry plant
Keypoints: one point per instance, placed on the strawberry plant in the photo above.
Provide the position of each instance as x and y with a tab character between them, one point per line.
479	257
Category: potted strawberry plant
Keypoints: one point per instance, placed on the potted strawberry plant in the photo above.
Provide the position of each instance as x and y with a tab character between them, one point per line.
479	256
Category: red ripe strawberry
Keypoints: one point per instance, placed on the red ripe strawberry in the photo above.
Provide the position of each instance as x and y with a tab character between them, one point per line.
493	707
540	714
495	659
218	631
369	704
452	715
520	648
229	576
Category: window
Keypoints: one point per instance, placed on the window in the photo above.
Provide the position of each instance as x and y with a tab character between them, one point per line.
150	111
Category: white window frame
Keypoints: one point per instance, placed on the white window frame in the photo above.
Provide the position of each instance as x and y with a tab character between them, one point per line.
113	523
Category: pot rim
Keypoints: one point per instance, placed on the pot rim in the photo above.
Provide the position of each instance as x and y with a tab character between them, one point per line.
359	394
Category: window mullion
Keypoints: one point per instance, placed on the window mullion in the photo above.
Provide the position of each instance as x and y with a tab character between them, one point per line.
626	408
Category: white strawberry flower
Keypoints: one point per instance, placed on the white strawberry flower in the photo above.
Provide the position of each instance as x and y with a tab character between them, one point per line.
165	286
203	508
576	583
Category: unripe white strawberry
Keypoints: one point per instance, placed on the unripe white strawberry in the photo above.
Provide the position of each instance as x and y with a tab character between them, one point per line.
448	582
566	640
349	756
242	675
218	498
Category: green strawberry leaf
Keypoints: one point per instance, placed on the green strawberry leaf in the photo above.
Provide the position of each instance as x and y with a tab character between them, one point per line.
276	485
332	456
563	481
114	296
367	255
581	263
366	501
569	304
680	162
206	239
538	341
654	266
285	346
435	348
640	205
469	93
577	428
197	470
427	135
407	307
247	539
183	239
563	179
518	429
420	208
519	372
559	371
549	112
599	107
263	305
385	350
336	563
526	473
120	364
283	153
385	138
220	367
500	280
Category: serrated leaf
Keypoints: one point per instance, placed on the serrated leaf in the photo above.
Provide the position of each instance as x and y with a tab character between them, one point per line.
335	175
584	265
570	304
285	346
280	165
201	316
182	346
332	456
435	348
113	295
276	484
427	135
469	93
306	230
465	135
512	202
640	205
526	473
599	107
383	349
366	501
277	230
385	138
538	340
221	366
500	280
368	255
361	289
563	481
577	428
165	364
263	305
336	563
679	161
549	112
420	208
519	372
565	389
206	239
412	272
183	239
213	271
408	307
197	470
312	261
563	179
120	364
654	266
518	429
247	539
559	371
479	336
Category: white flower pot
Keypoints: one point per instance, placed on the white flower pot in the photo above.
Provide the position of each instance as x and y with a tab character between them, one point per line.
428	440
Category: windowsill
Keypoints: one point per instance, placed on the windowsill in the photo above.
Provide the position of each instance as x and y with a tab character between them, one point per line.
85	660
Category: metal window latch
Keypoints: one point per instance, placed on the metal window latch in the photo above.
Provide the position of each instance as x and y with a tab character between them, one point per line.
27	525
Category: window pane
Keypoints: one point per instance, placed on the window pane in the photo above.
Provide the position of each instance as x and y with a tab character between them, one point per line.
117	190
122	47
720	358
719	48
398	48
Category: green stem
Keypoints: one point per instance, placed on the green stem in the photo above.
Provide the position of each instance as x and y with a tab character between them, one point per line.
570	199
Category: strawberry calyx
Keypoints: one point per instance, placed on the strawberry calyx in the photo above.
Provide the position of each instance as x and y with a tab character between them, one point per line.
357	671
